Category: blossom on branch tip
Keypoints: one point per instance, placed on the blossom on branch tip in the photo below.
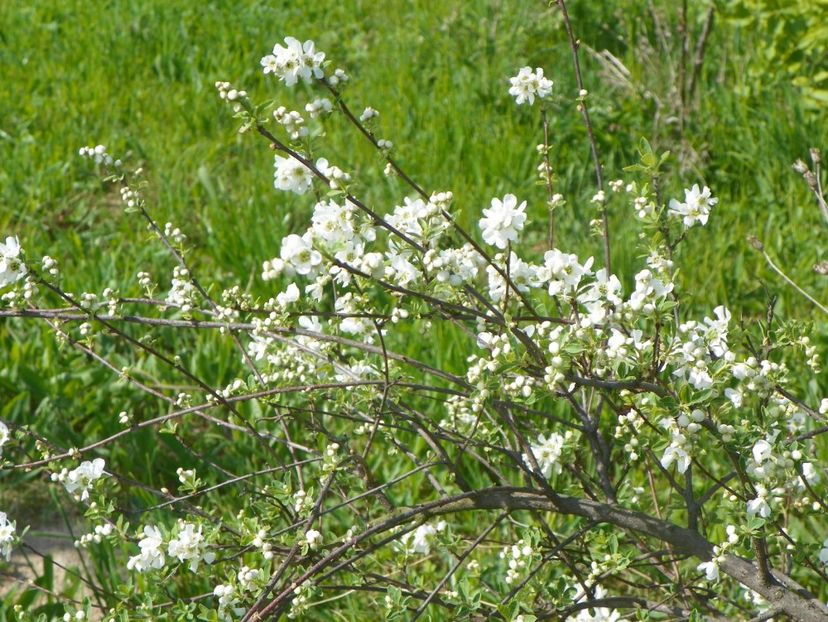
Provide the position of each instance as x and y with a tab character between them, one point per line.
528	84
151	555
12	267
189	546
78	481
7	528
502	222
696	207
294	61
547	451
291	175
4	436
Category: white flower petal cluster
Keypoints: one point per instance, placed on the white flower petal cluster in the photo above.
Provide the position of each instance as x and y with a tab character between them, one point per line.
292	121
183	293
319	107
676	452
4	436
291	175
294	61
7	529
699	346
681	430
231	95
547	451
649	290
528	84
419	540
78	481
313	538
517	557
502	222
189	546
563	272
696	207
523	275
99	155
336	176
760	506
298	253
420	220
823	554
12	267
289	296
97	535
597	614
152	553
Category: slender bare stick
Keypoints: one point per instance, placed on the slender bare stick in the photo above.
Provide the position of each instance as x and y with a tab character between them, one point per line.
593	145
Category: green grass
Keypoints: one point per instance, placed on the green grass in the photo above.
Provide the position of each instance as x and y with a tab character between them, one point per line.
137	76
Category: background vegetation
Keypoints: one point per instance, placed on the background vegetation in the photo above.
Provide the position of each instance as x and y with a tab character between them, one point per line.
137	76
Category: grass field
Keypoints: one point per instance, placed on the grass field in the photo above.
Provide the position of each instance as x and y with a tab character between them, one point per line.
138	75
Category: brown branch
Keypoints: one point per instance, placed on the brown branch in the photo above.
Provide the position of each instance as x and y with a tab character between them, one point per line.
784	594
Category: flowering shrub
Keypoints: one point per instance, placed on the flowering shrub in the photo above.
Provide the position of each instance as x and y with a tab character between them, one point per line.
594	454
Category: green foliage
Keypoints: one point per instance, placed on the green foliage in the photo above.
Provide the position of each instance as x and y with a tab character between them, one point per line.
792	38
137	75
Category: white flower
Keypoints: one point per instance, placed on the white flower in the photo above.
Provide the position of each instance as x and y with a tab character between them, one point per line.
294	61
716	333
420	538
11	266
605	288
299	254
4	436
99	155
81	479
696	206
151	555
368	114
547	451
292	121
522	275
334	174
759	505
526	85
648	290
676	453
503	221
710	570
823	554
313	538
182	292
291	175
597	614
735	396
563	272
762	450
6	536
291	294
189	546
318	107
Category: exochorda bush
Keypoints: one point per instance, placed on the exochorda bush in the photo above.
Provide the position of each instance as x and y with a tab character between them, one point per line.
599	457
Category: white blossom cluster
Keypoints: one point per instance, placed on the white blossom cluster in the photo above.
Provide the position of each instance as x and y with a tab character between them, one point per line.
294	61
187	546
7	537
12	268
99	155
418	541
529	84
517	557
79	481
537	329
